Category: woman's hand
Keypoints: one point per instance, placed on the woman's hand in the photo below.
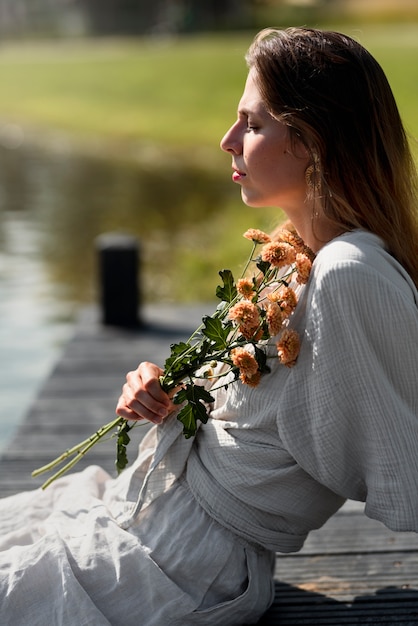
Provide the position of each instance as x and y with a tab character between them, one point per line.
142	396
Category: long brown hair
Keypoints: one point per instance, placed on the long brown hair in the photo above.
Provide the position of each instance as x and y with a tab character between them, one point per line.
336	99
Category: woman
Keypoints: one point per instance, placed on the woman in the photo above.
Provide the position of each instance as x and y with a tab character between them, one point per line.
188	534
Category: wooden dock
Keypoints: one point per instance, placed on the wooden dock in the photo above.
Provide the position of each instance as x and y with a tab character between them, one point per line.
352	571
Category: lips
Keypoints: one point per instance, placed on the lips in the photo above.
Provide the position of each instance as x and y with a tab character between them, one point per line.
237	176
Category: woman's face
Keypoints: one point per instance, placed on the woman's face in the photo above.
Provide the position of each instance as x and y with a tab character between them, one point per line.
268	166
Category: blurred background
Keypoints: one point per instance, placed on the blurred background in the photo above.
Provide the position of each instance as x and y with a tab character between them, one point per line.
111	112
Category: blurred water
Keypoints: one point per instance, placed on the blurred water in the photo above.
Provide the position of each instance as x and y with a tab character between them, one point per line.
33	323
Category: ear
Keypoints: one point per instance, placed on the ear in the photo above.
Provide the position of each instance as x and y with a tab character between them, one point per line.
299	148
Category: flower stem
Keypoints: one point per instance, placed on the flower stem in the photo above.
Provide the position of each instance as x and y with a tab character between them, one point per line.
79	450
249	260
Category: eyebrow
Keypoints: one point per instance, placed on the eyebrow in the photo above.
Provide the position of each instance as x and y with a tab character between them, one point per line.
247	112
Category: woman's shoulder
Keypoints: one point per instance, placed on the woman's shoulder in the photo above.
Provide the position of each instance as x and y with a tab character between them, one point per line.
356	246
362	257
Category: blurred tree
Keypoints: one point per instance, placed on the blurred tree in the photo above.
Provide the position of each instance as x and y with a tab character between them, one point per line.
137	17
120	16
159	16
41	17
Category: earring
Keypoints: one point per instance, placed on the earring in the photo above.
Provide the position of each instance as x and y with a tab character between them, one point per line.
312	175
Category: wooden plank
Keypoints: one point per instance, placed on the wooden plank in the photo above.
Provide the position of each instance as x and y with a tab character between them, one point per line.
402	612
350	532
342	575
337	590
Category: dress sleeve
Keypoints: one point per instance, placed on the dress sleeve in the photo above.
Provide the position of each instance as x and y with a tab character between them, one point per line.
349	410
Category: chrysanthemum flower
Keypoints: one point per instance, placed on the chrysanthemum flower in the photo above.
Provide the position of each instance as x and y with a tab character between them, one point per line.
292	238
274	318
247	316
286	298
245	287
288	347
251	381
258	236
245	361
278	253
273	296
244	312
303	268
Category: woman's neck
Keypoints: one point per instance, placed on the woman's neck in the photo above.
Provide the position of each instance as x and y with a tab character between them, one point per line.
315	230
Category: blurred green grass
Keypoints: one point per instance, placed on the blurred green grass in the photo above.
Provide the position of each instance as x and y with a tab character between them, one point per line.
169	92
180	93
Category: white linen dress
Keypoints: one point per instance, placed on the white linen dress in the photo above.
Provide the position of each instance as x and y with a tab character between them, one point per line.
188	534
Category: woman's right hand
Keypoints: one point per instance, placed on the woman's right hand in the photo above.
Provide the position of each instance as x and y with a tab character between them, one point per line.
142	396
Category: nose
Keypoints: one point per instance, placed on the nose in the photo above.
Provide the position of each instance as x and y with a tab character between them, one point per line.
231	141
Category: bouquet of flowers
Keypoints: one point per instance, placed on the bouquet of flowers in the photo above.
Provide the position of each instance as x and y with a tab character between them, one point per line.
252	310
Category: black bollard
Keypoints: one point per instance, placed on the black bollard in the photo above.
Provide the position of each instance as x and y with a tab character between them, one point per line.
118	279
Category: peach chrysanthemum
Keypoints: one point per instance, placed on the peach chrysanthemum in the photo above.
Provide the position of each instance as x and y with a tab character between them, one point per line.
292	238
286	298
258	236
288	233
278	253
251	381
303	268
274	317
245	361
245	288
244	312
288	347
247	316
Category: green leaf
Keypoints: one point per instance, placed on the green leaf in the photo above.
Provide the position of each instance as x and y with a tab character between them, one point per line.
122	441
194	396
261	359
228	292
176	351
193	393
188	364
203	394
179	364
187	417
263	266
214	330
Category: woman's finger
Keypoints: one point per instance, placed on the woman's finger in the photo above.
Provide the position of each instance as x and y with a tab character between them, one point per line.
142	396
